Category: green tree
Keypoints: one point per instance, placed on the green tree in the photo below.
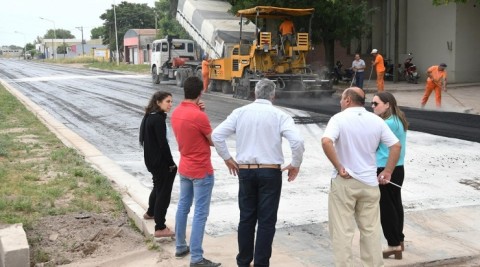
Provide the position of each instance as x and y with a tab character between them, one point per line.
167	24
30	49
59	34
29	46
129	16
62	49
98	32
15	47
339	20
445	2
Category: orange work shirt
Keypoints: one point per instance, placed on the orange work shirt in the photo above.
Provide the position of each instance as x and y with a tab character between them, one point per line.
436	74
286	27
205	64
379	66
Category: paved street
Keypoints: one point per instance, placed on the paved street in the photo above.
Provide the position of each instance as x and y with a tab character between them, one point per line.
440	196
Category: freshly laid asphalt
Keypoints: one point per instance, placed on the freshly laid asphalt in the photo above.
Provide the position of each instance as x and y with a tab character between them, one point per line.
440	237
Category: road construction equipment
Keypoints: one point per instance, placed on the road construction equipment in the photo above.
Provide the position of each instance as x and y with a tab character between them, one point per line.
270	56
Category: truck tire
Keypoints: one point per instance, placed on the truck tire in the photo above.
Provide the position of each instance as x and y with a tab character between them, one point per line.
199	74
227	87
155	76
180	78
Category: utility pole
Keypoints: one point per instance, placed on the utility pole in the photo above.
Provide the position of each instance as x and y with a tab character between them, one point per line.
83	42
54	35
116	33
156	23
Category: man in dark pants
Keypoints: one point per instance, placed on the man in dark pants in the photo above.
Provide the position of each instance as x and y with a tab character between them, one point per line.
259	128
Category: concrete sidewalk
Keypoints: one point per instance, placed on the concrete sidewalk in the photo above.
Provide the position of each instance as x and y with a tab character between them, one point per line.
459	97
433	237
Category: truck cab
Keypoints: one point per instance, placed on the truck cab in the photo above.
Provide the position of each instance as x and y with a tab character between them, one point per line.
169	55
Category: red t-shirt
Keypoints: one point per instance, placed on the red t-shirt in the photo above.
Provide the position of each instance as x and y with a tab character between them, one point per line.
191	126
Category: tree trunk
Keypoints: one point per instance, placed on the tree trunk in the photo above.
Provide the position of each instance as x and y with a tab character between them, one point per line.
329	53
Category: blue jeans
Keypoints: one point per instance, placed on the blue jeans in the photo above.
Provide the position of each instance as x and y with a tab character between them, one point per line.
258	200
359	77
199	190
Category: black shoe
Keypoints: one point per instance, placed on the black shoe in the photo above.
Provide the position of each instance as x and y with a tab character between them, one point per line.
180	255
205	263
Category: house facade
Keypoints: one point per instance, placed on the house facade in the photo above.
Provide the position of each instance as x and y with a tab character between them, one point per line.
137	44
75	48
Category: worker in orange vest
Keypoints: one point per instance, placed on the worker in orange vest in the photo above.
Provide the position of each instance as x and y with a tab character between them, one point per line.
377	62
205	72
287	32
436	81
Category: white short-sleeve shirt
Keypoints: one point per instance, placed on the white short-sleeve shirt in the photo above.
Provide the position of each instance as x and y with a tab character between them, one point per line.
356	134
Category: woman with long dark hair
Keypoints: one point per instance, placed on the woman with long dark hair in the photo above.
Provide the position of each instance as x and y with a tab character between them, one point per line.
158	160
385	105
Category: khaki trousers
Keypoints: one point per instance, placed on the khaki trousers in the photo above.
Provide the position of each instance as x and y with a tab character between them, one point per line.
349	201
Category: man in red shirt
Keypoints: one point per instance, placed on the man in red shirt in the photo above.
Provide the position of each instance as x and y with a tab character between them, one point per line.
193	133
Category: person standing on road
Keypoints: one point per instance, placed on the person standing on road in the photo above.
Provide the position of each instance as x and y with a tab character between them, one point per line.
358	66
391	208
158	160
259	128
349	142
379	66
436	81
205	72
193	132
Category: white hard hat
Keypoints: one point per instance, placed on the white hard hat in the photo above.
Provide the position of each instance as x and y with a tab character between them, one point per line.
374	51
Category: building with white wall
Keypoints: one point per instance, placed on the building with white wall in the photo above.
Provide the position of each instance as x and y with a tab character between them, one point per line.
434	34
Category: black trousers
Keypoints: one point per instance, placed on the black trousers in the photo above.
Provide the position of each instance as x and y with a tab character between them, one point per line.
159	199
391	208
258	199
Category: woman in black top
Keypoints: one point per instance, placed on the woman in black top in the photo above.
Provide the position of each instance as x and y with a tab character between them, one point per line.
158	160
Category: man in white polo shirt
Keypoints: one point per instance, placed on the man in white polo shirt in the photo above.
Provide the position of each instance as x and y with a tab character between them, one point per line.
349	142
358	66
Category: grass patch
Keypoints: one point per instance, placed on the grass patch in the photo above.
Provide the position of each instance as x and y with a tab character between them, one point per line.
141	68
39	176
90	62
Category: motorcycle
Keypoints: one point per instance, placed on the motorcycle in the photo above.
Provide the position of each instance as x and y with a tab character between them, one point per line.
339	75
410	70
388	70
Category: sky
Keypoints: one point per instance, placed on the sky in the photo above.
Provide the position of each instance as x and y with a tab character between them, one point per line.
23	17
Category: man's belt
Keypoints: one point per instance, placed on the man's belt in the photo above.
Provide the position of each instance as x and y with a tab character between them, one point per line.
259	166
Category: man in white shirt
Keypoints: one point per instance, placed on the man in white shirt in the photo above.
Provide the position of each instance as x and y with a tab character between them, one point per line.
349	142
259	128
358	66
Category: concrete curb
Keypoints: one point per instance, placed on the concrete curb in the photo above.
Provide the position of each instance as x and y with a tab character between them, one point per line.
14	249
